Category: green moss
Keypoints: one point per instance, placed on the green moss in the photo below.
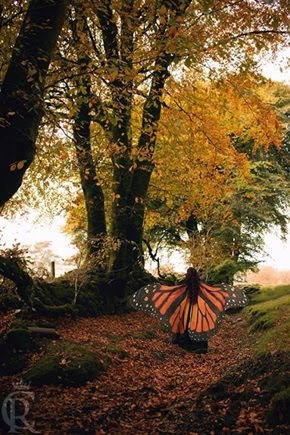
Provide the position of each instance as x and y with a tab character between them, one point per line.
14	349
260	321
54	311
145	335
88	304
114	348
271	293
22	323
269	314
279	408
275	338
266	314
60	292
68	364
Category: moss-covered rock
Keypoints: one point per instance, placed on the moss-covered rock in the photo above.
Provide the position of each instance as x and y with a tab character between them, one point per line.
59	292
279	408
67	364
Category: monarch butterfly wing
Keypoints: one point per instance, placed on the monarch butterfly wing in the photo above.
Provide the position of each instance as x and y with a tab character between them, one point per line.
206	314
169	303
236	297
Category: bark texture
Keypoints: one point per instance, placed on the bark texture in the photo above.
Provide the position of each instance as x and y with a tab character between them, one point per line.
21	97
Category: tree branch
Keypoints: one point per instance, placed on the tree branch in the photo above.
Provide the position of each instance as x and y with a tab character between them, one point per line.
109	32
153	257
24	283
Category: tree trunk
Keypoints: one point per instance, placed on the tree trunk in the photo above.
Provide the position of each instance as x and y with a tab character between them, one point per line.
22	90
119	56
131	204
135	200
92	191
132	175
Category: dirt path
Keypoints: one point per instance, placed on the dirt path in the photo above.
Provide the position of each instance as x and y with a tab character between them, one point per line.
151	386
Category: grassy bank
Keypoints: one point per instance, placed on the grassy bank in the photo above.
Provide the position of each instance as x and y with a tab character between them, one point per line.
269	316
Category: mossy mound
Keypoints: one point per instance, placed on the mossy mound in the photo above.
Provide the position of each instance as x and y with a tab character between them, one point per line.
66	364
262	383
279	408
97	295
56	299
55	311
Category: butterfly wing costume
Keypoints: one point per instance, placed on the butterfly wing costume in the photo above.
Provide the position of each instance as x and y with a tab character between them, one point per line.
199	315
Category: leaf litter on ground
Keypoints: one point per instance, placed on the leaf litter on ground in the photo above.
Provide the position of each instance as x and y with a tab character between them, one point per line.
151	386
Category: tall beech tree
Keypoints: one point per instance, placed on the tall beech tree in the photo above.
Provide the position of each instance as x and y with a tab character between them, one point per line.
232	149
135	47
22	90
111	72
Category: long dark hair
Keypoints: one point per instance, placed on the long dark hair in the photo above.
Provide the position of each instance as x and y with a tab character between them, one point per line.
192	280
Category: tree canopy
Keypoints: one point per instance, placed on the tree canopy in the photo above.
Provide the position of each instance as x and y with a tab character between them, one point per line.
151	110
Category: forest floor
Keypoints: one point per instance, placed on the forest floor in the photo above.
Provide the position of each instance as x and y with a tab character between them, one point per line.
154	387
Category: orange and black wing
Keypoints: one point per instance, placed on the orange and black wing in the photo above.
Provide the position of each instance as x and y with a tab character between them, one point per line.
206	314
170	304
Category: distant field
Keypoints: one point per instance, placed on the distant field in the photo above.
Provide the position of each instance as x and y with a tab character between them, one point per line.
267	275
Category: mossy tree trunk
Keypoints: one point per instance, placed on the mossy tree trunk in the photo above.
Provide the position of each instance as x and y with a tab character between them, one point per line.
10	269
22	90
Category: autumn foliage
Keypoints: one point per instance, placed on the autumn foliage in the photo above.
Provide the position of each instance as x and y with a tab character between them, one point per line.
156	116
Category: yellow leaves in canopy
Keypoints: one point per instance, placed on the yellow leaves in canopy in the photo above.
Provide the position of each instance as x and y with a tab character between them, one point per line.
197	167
246	114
